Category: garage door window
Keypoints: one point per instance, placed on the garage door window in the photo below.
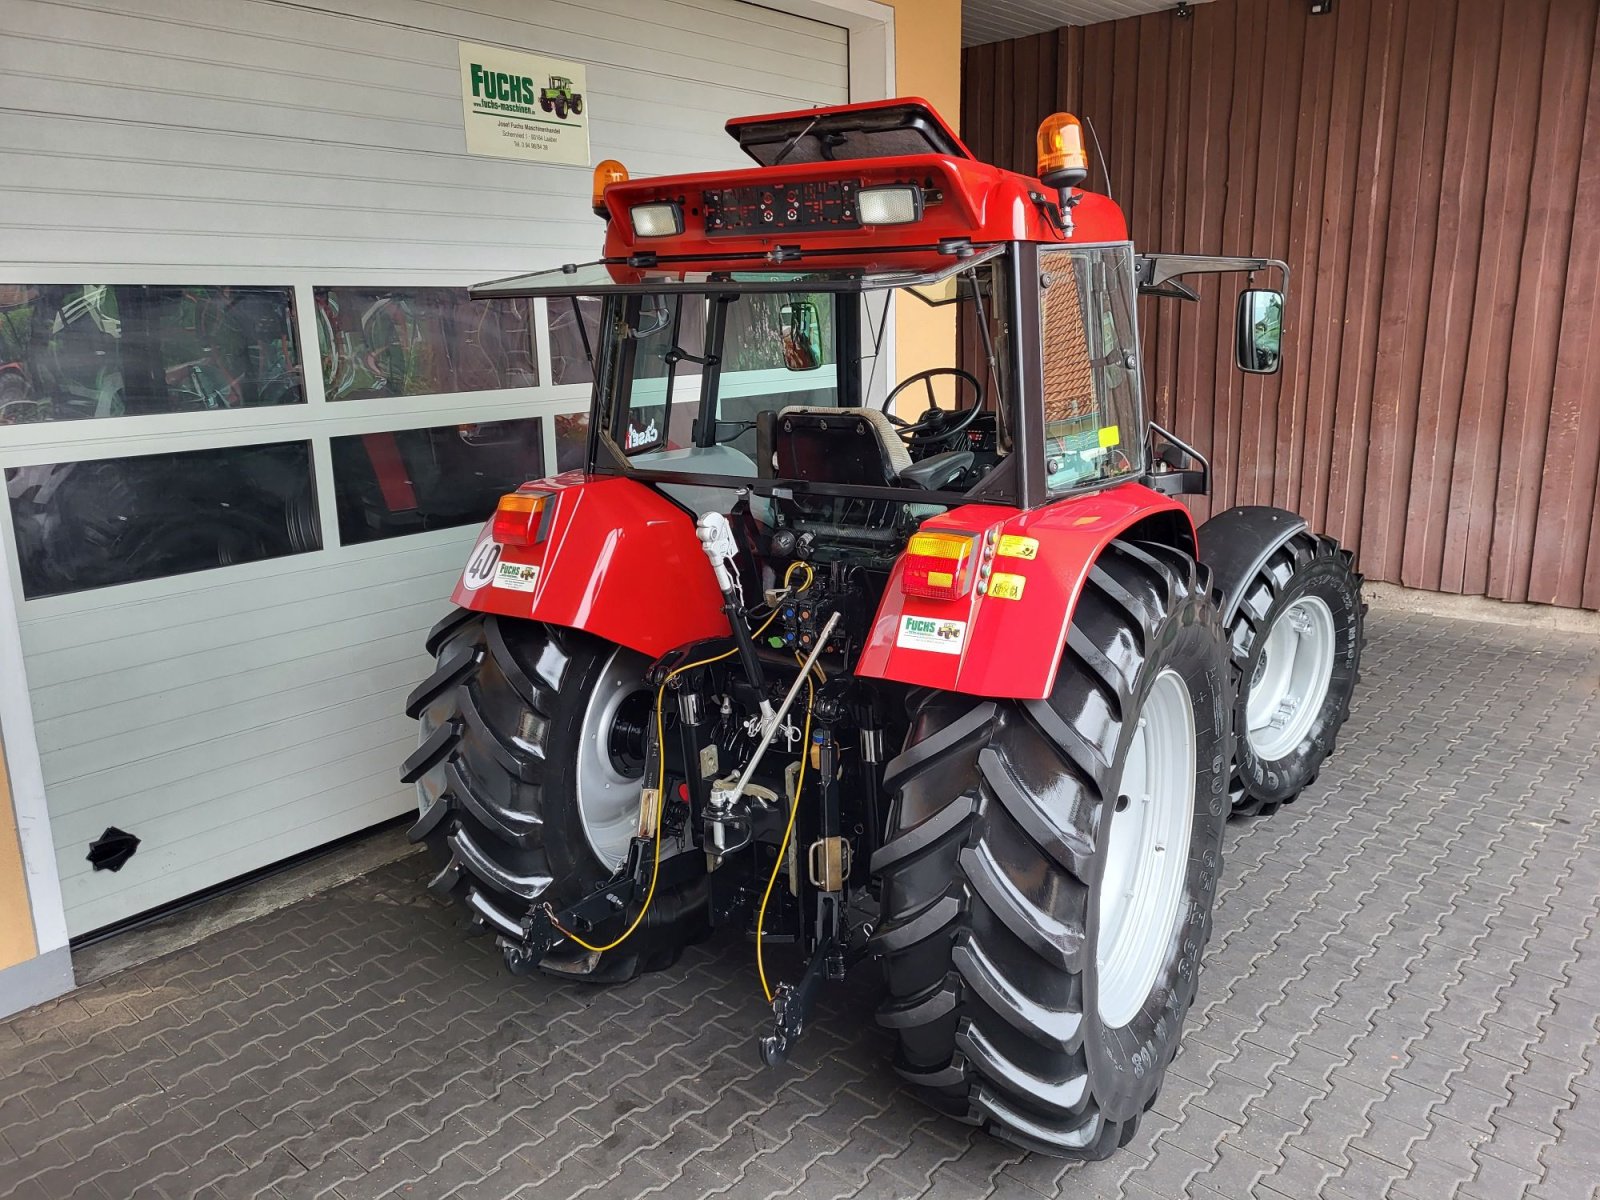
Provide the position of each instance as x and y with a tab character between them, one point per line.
80	351
421	342
409	480
83	525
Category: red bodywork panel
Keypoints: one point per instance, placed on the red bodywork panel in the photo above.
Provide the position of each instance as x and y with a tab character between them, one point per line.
977	202
1006	647
618	560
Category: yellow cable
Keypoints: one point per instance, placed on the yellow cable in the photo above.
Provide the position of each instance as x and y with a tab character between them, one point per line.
661	793
804	566
783	847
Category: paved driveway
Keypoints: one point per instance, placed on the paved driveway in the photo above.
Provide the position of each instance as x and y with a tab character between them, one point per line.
1400	999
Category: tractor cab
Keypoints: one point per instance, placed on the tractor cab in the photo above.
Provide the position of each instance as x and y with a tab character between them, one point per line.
744	341
773	378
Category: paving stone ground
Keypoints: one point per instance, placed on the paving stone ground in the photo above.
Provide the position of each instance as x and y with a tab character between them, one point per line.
1400	1000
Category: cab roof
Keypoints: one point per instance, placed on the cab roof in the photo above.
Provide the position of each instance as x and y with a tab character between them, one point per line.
799	205
875	129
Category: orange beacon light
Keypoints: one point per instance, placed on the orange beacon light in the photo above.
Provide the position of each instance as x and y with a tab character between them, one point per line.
606	172
1063	161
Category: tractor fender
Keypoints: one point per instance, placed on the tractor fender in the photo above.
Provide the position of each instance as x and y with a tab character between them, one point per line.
617	560
1236	544
1006	640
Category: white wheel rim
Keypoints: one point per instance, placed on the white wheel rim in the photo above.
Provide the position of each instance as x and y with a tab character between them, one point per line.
1291	678
608	798
1147	852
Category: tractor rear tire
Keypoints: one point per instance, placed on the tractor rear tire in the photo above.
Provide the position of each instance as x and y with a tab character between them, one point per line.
506	722
1296	643
1029	990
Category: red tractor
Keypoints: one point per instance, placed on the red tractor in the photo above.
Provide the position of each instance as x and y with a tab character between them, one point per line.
960	691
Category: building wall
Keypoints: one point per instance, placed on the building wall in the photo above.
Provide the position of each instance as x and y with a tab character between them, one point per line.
35	963
1422	165
17	943
927	55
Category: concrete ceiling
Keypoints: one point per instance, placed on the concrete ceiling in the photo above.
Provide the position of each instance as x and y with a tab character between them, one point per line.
996	20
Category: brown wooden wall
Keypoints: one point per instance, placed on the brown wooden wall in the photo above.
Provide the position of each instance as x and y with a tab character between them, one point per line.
1430	169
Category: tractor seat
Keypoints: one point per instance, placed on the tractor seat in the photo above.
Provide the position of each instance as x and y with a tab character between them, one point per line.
839	445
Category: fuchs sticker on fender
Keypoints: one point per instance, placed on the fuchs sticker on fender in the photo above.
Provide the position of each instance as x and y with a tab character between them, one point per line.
481	566
932	633
517	577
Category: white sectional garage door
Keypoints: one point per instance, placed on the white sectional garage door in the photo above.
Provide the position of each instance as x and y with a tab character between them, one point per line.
262	213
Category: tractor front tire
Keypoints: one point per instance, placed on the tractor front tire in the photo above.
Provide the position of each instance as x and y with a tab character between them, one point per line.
1041	928
1296	641
524	798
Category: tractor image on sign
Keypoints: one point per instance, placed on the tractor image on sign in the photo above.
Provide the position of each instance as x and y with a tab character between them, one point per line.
559	97
931	674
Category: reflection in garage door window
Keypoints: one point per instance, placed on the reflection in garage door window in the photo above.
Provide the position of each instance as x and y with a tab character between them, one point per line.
74	351
572	441
414	479
421	342
575	339
84	525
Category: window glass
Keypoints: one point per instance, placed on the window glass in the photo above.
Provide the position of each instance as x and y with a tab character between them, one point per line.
408	480
984	323
1091	381
778	352
663	336
84	525
421	342
574	338
77	351
572	441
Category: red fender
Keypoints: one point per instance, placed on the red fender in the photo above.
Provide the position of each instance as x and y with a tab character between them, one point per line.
618	560
995	645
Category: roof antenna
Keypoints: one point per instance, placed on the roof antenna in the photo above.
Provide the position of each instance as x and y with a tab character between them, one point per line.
1105	171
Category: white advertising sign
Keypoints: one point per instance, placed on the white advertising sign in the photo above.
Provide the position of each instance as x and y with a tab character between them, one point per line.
524	106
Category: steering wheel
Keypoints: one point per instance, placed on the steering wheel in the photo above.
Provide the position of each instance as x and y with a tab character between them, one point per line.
936	424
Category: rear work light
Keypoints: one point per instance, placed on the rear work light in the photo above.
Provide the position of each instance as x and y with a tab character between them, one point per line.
519	518
657	220
938	565
897	205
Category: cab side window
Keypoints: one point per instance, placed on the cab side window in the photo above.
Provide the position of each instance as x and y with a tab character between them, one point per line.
1091	376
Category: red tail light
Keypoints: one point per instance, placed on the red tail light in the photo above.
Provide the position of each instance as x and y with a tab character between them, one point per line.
938	565
519	519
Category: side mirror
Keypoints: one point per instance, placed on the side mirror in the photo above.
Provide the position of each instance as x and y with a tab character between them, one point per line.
1258	336
802	336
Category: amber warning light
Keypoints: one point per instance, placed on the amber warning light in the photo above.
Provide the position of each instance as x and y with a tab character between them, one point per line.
1063	161
608	171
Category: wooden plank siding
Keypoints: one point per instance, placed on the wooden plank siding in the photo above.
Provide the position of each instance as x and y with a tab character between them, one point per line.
1430	169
